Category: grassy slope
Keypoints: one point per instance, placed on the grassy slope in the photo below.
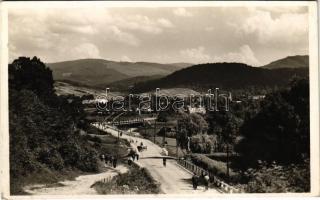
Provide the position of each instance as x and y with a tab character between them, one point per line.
136	181
289	62
63	88
125	84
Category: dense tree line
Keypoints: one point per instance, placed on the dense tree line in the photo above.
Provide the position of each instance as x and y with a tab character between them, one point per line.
225	76
280	130
269	138
44	128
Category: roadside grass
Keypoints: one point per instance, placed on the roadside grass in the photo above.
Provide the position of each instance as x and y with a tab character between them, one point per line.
106	143
46	177
136	181
218	168
96	131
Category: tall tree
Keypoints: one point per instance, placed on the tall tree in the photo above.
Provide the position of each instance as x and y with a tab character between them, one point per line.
280	131
189	125
31	74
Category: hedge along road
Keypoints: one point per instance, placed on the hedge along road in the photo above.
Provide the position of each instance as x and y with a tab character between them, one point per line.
173	178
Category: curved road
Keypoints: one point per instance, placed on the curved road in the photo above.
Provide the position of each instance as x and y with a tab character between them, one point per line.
173	178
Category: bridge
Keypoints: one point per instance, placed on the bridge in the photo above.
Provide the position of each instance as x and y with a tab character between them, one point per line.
117	121
127	122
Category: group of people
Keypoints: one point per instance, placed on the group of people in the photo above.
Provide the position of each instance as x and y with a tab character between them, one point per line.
132	156
109	159
196	179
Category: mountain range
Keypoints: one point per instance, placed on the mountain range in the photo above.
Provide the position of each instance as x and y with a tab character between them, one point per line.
95	72
223	75
144	76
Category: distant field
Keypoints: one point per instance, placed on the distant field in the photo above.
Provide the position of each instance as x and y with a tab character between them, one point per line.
63	88
183	92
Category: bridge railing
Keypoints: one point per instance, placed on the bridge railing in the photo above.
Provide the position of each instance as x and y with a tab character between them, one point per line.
198	170
127	121
106	180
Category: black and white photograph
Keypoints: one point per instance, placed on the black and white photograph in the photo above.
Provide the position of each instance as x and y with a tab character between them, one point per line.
159	98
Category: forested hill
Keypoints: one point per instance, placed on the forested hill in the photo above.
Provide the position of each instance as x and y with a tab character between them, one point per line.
224	75
289	62
97	72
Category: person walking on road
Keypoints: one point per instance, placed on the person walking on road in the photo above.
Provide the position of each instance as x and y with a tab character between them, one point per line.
102	157
130	161
111	160
164	162
195	180
114	162
206	181
133	156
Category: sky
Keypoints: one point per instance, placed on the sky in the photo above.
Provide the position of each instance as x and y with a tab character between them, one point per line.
251	35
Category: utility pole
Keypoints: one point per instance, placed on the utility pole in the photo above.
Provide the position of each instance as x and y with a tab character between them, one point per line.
118	129
176	131
228	160
145	128
164	134
154	131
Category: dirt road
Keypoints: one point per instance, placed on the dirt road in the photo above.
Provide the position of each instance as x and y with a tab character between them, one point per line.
173	178
80	186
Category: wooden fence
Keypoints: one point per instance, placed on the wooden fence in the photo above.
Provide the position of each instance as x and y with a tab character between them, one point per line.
107	179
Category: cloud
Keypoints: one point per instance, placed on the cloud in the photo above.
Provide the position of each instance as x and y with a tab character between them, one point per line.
85	50
182	12
284	9
82	29
123	37
137	22
244	55
165	23
195	55
199	55
125	58
288	28
142	34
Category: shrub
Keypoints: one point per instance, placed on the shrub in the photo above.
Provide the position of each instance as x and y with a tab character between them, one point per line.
276	178
202	143
216	168
169	134
88	160
92	138
222	156
70	153
51	158
136	181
